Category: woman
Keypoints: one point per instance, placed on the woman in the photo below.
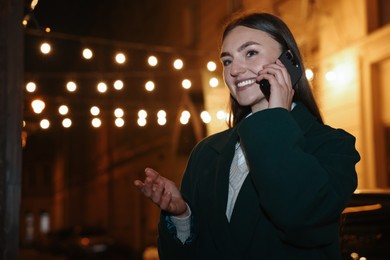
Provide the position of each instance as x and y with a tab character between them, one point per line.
274	184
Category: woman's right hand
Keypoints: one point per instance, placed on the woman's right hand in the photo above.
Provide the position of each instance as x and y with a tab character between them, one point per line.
163	192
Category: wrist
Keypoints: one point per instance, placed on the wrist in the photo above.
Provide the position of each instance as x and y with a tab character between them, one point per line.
185	214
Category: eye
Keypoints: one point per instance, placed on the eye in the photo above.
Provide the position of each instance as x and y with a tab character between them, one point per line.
226	62
251	53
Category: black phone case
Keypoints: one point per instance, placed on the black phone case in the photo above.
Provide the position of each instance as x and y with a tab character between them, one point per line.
293	69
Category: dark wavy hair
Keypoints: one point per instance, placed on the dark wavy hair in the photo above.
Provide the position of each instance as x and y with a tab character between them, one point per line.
279	31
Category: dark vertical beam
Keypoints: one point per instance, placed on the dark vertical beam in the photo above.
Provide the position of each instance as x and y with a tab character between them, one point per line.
11	97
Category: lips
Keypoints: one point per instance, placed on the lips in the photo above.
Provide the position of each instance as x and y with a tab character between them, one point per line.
245	83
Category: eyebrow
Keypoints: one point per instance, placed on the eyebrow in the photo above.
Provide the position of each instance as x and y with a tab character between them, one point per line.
241	48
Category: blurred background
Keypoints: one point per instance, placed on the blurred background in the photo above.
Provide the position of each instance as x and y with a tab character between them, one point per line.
112	87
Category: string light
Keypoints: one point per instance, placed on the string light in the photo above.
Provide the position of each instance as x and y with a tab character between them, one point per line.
178	64
119	112
149	86
211	66
161	117
33	4
222	115
185	117
94	111
31	87
71	86
309	74
66	122
63	110
142	114
45	124
87	53
118	84
102	87
38	106
186	83
205	116
152	61
96	122
120	58
119	122
214	82
45	48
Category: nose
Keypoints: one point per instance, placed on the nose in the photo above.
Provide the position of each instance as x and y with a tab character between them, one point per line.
236	68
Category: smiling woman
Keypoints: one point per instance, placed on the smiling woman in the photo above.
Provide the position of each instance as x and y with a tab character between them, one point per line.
273	185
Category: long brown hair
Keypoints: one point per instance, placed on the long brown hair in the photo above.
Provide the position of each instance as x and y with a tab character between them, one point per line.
279	31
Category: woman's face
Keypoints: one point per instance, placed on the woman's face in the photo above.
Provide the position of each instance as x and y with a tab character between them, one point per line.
244	53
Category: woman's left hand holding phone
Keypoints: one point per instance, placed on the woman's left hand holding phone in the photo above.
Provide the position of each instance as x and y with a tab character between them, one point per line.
282	92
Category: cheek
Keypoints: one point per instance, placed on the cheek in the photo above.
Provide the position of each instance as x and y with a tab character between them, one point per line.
257	64
226	77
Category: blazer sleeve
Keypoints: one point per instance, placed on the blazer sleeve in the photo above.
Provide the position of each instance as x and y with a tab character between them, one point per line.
169	246
303	177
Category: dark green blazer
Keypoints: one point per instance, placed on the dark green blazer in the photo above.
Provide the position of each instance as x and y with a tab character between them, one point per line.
301	176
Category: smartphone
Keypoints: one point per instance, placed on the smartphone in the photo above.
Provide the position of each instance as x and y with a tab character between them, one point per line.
293	69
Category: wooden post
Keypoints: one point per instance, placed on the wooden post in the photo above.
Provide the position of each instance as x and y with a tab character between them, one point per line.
11	98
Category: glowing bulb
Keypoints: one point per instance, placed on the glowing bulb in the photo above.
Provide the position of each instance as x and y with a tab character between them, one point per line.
120	58
45	124
95	111
178	64
214	82
87	53
161	113
31	87
221	115
119	112
211	66
142	114
186	83
184	120
102	87
206	118
141	121
118	84
152	61
161	120
71	86
309	74
96	122
66	122
185	117
186	114
119	122
45	48
38	106
330	76
149	86
63	110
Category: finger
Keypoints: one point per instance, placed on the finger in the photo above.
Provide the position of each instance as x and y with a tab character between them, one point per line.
148	187
166	199
157	191
151	173
280	73
139	184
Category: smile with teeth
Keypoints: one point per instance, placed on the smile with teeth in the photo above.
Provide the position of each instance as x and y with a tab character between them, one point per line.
245	83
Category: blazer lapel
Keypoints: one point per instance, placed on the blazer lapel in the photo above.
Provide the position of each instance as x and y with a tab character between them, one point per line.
219	224
246	214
